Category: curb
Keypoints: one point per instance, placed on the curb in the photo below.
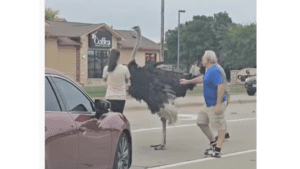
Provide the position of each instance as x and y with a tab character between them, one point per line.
190	104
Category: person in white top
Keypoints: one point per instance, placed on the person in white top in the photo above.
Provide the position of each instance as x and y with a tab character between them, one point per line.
116	75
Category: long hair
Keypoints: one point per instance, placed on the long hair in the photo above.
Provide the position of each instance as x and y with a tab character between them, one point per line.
112	61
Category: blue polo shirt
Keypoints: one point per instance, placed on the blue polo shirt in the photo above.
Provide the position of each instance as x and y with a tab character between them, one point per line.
211	80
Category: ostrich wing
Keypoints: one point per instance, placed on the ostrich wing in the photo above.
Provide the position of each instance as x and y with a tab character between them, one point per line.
172	79
145	86
154	86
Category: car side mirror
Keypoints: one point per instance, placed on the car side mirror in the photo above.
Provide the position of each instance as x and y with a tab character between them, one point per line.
102	106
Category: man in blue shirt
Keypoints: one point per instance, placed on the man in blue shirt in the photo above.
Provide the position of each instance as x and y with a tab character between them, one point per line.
213	91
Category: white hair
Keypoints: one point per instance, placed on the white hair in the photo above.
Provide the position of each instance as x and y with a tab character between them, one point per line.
211	56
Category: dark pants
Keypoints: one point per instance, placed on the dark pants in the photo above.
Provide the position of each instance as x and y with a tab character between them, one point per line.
117	105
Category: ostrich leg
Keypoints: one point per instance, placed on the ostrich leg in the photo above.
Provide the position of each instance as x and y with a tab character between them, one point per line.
164	131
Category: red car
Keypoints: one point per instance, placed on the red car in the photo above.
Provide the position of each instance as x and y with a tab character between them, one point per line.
81	133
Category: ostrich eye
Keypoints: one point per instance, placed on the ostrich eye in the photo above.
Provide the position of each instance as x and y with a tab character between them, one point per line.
134	36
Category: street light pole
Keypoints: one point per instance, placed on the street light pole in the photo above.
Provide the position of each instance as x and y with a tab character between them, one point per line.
178	37
162	32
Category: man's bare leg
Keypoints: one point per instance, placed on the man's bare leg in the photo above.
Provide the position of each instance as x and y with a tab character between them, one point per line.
207	131
221	138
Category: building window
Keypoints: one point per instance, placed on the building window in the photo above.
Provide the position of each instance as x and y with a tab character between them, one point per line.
150	57
97	59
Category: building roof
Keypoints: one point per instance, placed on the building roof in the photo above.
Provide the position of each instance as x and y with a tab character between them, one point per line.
75	29
69	29
46	24
130	39
67	41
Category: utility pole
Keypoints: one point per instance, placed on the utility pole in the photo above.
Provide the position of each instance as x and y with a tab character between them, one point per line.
178	38
162	32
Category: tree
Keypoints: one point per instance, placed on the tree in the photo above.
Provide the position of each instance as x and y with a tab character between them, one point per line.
235	45
172	45
51	15
222	21
197	36
239	47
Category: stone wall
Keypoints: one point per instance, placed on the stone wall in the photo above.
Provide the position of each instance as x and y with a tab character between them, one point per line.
51	53
83	62
67	61
233	76
61	58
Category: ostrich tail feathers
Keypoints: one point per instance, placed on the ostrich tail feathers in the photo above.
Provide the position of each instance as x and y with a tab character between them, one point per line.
169	112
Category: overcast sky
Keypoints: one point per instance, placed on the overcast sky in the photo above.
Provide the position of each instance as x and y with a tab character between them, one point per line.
124	14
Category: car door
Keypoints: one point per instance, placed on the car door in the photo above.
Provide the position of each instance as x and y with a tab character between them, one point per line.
61	139
94	134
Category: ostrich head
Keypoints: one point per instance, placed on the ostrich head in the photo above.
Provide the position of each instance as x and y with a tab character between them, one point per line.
195	70
137	42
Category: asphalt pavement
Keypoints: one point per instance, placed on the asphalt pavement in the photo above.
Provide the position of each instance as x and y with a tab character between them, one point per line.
186	143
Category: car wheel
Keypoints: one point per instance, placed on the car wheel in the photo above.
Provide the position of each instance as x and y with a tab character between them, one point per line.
251	93
122	155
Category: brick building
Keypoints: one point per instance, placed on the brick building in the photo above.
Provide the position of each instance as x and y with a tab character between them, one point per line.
81	50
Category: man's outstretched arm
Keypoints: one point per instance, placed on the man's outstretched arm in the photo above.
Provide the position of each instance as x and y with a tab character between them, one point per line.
197	80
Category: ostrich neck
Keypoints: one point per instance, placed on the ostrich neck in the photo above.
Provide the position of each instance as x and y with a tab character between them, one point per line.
137	43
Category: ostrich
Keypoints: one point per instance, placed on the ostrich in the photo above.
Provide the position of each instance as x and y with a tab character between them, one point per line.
158	88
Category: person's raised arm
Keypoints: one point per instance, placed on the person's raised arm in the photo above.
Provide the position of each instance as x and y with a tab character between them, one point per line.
105	74
127	75
197	80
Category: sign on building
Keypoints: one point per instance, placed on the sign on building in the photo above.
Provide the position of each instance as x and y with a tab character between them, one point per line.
100	39
243	74
150	57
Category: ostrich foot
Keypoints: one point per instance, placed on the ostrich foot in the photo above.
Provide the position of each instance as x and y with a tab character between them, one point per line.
155	145
159	147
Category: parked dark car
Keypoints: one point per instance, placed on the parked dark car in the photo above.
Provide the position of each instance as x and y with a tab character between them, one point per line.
81	133
250	84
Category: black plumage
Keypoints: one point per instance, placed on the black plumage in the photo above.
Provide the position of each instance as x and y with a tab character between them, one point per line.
156	86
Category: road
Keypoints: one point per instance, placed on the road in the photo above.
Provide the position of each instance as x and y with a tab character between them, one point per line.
186	143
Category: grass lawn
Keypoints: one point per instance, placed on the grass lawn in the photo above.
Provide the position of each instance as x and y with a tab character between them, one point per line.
233	89
96	91
99	91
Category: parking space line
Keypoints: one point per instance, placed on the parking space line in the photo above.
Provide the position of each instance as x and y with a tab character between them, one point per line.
228	121
203	159
187	125
187	117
